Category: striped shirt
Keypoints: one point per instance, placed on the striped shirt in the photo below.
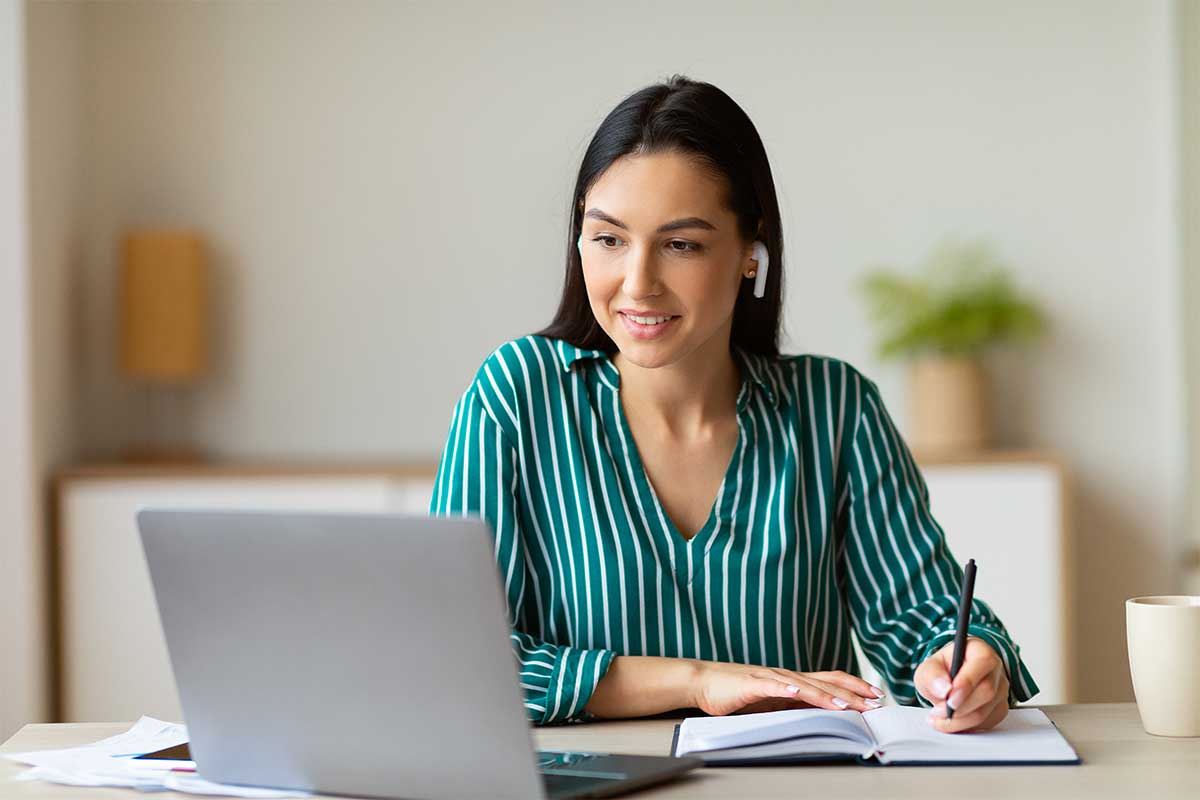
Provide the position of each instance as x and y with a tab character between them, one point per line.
821	527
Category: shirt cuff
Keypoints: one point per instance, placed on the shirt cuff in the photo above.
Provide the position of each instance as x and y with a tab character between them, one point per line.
574	679
1021	686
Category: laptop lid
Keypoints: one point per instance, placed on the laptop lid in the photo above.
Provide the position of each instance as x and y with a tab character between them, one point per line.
363	654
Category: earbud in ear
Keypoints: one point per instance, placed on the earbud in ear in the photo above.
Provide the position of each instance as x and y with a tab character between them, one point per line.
579	245
760	279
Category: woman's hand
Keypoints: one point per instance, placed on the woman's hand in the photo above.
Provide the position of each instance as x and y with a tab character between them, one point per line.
723	688
978	694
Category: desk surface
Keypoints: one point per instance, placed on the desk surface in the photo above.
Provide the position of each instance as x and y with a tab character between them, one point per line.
1120	760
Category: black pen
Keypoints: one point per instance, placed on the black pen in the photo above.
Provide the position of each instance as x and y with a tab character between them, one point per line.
960	635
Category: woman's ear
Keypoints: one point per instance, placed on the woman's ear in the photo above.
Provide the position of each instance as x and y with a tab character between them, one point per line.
748	262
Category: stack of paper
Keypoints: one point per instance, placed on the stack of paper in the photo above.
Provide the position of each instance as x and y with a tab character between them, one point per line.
112	762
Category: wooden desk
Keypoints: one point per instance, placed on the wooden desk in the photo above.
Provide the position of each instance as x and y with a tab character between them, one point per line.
1120	760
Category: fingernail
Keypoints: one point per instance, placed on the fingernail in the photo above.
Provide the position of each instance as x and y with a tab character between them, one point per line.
840	703
941	687
793	689
878	692
955	700
938	712
872	704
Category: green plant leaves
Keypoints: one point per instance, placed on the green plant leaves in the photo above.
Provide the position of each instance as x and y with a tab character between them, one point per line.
961	302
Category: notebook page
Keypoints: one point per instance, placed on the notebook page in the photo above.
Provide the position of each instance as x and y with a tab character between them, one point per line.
787	749
717	733
903	733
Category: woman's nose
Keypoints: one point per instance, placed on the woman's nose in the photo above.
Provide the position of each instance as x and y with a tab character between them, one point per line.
641	272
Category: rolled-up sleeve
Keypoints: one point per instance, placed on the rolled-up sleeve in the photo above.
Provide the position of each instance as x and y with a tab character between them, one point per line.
477	476
903	583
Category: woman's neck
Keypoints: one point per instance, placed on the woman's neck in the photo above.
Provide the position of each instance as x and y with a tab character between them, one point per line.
686	398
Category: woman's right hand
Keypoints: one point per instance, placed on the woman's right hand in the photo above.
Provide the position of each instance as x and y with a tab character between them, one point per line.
722	688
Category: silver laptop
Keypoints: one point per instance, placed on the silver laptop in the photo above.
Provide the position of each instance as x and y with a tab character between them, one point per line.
359	654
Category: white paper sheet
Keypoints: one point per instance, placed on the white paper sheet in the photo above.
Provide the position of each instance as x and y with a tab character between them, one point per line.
1025	735
697	734
110	762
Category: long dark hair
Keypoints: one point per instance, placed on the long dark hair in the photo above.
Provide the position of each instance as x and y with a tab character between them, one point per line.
701	121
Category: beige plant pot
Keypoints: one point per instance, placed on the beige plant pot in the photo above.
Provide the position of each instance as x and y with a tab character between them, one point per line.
948	405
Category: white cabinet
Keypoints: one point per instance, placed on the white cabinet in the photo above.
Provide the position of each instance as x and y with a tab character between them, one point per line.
1007	514
112	656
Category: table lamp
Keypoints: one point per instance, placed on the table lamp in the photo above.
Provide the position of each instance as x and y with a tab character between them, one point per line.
164	331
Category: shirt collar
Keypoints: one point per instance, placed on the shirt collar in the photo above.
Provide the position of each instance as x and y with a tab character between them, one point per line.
759	372
569	354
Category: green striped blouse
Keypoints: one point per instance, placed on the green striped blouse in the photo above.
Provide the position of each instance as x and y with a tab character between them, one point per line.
821	527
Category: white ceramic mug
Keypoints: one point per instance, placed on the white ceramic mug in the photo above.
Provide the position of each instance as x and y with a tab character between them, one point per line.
1163	637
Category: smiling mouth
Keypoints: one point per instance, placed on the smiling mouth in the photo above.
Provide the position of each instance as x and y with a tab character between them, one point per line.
656	328
649	321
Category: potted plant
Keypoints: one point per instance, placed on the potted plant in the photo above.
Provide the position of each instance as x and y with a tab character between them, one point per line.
942	320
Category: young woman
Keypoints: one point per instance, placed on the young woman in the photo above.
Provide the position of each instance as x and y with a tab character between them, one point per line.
683	517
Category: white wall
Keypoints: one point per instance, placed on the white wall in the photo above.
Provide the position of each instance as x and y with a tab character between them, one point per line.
22	618
386	189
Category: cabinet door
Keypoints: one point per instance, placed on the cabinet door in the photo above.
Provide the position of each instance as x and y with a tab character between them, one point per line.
1009	518
114	657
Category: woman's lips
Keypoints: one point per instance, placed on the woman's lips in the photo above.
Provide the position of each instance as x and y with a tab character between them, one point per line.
646	332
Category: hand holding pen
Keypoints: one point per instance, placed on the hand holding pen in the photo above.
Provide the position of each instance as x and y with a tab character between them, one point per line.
966	679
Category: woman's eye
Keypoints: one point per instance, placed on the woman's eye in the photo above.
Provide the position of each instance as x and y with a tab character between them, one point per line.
609	242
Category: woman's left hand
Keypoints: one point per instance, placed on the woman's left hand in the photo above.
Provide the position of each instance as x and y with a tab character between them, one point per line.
978	694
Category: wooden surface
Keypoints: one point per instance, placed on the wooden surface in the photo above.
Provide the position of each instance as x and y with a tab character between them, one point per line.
1120	760
244	469
208	469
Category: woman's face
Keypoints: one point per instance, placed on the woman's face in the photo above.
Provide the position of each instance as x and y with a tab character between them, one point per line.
658	241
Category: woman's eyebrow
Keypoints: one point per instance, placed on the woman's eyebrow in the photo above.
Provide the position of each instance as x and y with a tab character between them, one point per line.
686	222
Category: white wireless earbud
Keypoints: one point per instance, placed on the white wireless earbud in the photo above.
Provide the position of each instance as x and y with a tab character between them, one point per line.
760	279
579	245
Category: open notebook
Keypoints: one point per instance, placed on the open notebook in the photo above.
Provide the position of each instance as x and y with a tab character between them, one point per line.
888	735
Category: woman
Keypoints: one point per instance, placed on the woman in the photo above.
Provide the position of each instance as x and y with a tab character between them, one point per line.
683	517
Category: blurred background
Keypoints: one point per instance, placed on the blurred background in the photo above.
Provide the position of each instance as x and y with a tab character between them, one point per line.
356	202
